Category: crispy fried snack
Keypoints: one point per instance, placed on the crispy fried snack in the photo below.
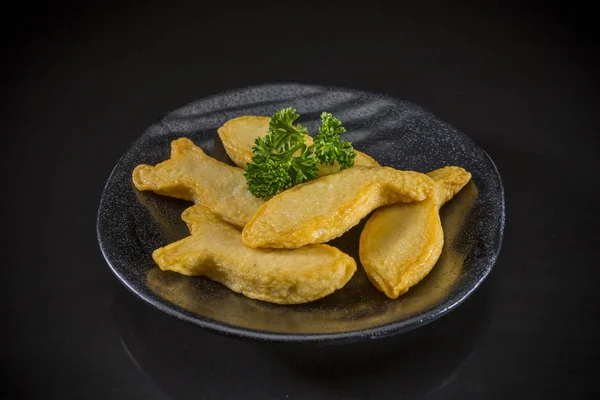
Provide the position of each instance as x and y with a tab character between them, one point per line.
401	243
238	135
190	174
323	209
215	250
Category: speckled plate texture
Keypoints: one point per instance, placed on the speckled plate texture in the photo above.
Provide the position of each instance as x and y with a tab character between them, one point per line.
399	134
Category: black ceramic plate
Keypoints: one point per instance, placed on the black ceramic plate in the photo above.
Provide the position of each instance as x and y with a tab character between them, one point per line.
399	134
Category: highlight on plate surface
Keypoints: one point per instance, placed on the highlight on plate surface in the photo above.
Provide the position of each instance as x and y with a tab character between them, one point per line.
260	228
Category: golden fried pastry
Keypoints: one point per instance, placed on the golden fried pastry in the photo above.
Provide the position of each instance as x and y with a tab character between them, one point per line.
238	135
215	250
190	174
401	243
323	209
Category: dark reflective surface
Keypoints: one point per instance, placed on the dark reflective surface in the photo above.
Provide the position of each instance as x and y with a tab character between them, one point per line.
82	81
181	358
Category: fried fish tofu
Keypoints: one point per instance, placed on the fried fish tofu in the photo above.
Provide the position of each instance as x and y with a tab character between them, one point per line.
323	209
401	243
215	250
192	175
238	136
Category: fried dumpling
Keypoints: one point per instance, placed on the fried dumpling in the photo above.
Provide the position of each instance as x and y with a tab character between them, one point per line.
192	175
325	208
400	244
215	250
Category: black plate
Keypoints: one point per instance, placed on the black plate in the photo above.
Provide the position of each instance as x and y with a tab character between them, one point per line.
397	133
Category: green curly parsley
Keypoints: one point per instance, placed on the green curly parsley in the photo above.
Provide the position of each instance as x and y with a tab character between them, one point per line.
328	146
281	159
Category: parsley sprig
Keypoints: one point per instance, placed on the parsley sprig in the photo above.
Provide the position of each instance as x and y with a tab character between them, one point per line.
282	159
328	146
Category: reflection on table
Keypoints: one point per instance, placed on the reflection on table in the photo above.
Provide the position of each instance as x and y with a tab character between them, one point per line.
186	361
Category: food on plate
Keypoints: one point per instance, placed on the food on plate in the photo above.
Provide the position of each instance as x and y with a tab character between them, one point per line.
323	209
192	175
239	134
215	250
286	155
340	311
296	193
401	243
448	182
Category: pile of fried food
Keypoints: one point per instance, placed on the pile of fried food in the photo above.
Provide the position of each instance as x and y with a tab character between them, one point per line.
274	249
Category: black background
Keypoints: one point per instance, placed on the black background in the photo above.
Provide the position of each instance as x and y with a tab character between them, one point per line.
83	80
